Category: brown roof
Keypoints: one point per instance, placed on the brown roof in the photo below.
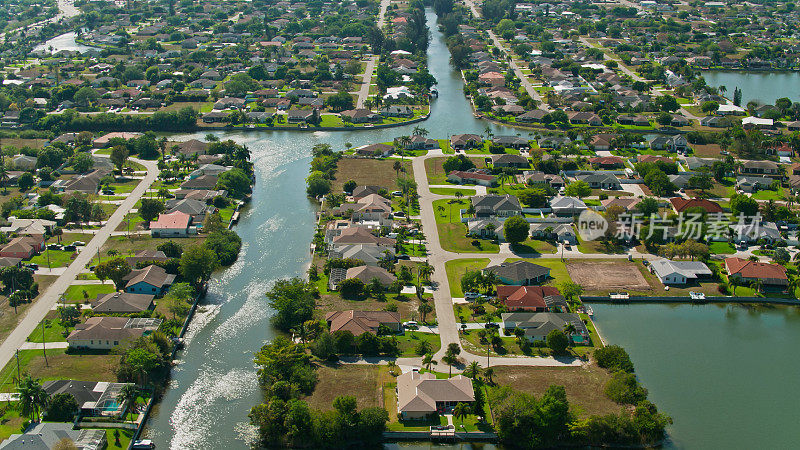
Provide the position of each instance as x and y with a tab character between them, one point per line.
756	270
122	302
367	273
682	204
360	235
360	322
152	275
105	328
419	392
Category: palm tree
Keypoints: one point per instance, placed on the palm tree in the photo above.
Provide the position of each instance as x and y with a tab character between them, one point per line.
757	284
425	271
32	397
489	373
428	361
461	411
424	309
472	370
488	132
450	360
419	131
127	396
4	177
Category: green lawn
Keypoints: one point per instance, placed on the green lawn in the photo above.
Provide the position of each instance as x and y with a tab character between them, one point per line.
10	422
767	194
452	191
453	237
456	269
57	258
51	331
227	213
414	249
558	270
124	439
74	293
721	248
534	246
124	187
410	339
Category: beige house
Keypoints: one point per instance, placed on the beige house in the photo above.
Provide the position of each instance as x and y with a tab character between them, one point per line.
421	394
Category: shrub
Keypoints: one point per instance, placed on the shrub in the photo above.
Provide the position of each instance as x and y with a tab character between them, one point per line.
614	358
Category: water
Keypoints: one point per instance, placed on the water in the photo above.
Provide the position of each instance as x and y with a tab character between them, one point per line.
64	42
725	374
764	87
215	385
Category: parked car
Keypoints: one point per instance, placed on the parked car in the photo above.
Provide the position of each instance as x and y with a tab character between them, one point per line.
79	243
471	295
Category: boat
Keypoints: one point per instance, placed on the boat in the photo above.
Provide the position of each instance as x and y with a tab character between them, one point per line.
589	310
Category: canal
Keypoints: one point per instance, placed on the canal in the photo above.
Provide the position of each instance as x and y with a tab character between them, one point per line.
764	87
723	374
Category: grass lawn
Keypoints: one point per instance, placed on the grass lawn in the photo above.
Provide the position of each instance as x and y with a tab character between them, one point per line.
11	422
374	172
124	439
435	172
534	246
584	385
721	248
414	249
85	367
408	341
131	222
124	187
361	381
452	191
558	270
53	330
767	194
74	293
447	210
57	258
597	247
456	269
453	238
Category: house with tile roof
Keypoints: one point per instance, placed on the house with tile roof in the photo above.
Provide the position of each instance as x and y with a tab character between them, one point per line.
520	273
174	224
422	394
152	280
772	276
531	298
122	303
360	322
681	204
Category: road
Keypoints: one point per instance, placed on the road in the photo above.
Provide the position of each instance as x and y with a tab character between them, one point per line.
363	93
50	297
517	71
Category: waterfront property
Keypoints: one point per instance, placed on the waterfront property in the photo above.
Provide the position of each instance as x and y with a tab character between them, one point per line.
520	273
537	325
422	394
105	333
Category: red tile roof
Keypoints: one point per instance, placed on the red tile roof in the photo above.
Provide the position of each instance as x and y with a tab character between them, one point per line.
752	269
682	204
176	220
525	297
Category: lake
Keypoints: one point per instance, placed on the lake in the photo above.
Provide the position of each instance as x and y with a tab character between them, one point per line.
64	42
765	87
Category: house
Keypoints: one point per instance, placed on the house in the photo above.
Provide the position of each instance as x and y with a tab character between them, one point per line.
371	255
535	177
87	184
496	205
420	395
694	163
28	227
122	303
531	298
745	271
511	141
23	162
749	123
364	191
208	169
299	115
191	147
22	247
482	179
751	184
508	160
677	143
561	232
152	280
94	398
146	256
357	235
359	115
626	203
678	272
681	204
769	168
600	180
367	273
485	228
104	333
49	435
197	209
105	140
749	233
360	322
175	224
519	273
607	162
567	206
464	141
538	324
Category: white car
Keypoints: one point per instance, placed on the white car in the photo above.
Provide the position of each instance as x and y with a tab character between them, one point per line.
410	323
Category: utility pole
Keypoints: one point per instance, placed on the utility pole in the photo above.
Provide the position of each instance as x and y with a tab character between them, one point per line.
44	350
18	375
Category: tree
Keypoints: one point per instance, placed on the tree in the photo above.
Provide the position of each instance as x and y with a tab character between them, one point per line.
317	185
659	183
578	189
667	103
450	360
557	341
351	288
647	206
461	411
625	389
62	407
150	209
32	397
472	370
571	290
709	107
127	396
424	309
743	204
85	96
26	181
428	361
171	249
516	229
82	162
197	264
235	181
119	156
293	302
613	358
114	269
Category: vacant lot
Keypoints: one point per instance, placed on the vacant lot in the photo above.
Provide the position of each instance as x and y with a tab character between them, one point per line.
605	275
584	385
360	381
373	172
407	305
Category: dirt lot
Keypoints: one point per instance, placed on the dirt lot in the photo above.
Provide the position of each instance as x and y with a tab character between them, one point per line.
362	382
584	385
605	275
374	172
334	302
707	151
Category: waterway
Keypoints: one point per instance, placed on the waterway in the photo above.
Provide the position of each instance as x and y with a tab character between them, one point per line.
215	384
726	374
764	87
63	42
723	374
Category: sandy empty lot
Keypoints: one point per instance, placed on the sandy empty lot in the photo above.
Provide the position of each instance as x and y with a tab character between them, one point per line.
607	275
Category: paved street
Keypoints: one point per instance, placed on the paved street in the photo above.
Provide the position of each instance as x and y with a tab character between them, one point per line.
363	93
50	297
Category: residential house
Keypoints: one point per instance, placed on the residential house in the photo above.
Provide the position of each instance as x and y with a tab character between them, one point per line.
152	280
49	435
567	206
367	273
771	276
371	255
679	272
537	325
607	162
750	233
531	298
28	227
768	168
23	162
676	143
511	141
482	179
174	224
375	150
560	232
143	256
360	322
496	206
197	209
600	180
22	247
751	184
94	398
485	228
465	141
519	273
508	160
420	395
681	204
626	203
535	177
361	192
105	333
122	303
